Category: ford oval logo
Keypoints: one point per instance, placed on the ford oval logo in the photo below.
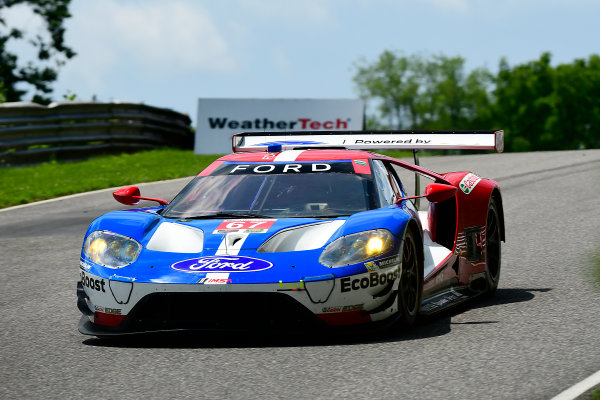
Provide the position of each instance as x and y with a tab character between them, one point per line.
222	264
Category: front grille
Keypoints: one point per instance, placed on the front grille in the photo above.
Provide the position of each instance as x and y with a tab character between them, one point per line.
219	311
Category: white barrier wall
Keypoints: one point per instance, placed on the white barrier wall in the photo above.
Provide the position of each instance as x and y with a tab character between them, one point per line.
218	119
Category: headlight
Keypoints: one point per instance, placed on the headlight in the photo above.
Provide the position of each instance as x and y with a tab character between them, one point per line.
111	249
357	247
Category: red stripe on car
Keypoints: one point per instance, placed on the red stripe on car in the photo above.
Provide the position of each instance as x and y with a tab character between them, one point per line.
108	319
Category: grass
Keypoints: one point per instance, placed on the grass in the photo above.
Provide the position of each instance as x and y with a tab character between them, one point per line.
596	394
49	180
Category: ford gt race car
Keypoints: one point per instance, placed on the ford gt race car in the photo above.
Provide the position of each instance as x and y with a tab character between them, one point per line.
297	230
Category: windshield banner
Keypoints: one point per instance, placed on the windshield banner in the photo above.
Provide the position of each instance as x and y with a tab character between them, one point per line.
231	168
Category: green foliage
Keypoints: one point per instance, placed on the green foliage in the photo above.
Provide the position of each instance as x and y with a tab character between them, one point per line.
51	54
69	96
391	79
576	101
412	92
540	107
549	108
2	93
522	105
24	185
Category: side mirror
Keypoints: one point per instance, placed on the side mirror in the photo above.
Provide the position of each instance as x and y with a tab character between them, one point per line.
435	193
438	192
131	195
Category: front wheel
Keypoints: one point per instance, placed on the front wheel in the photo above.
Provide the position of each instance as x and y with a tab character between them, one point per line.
492	248
410	291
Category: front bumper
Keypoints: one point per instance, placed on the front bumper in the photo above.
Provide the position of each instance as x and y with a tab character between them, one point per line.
171	311
117	307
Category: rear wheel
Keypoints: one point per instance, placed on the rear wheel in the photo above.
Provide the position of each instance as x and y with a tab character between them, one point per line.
410	291
492	248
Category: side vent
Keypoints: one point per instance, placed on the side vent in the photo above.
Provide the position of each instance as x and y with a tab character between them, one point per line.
474	238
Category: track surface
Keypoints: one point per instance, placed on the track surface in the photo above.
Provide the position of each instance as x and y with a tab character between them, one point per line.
539	335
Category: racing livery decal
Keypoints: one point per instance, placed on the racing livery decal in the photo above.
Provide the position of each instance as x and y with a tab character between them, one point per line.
215	278
244	226
336	309
290	286
108	310
469	182
361	166
98	285
279	168
84	264
382	263
222	264
270	167
374	279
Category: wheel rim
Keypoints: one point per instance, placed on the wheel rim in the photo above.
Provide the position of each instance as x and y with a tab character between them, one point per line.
493	245
410	277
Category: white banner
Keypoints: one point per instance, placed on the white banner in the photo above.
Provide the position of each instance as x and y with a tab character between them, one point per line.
218	119
475	140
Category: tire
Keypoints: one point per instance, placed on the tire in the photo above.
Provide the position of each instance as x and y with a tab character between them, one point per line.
410	290
493	249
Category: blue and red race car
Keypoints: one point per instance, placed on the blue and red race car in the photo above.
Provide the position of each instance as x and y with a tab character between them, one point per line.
293	231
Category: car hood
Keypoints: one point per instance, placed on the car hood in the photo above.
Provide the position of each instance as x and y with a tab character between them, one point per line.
183	251
149	228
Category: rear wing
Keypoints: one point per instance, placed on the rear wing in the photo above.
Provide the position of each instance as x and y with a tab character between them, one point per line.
368	140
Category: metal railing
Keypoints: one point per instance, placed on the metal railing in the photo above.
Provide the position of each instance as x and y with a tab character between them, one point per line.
31	133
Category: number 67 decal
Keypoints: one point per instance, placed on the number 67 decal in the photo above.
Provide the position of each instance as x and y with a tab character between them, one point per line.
245	226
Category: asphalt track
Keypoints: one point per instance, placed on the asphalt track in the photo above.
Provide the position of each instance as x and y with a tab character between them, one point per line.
538	336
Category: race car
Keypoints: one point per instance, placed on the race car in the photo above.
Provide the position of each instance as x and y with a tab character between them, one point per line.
294	231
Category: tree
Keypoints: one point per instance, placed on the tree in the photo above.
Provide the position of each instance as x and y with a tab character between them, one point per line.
2	91
549	108
576	120
391	80
417	93
52	52
524	103
452	99
540	107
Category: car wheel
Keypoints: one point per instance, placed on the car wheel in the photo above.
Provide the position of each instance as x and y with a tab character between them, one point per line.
492	248
410	291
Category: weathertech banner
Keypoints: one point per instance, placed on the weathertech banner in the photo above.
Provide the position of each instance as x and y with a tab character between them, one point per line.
219	119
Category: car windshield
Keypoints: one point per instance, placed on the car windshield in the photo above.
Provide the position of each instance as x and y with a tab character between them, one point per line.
276	195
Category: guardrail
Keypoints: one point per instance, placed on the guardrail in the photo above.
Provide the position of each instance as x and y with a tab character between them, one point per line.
31	133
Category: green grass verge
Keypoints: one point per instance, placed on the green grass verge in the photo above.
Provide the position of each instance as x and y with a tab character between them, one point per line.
45	181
